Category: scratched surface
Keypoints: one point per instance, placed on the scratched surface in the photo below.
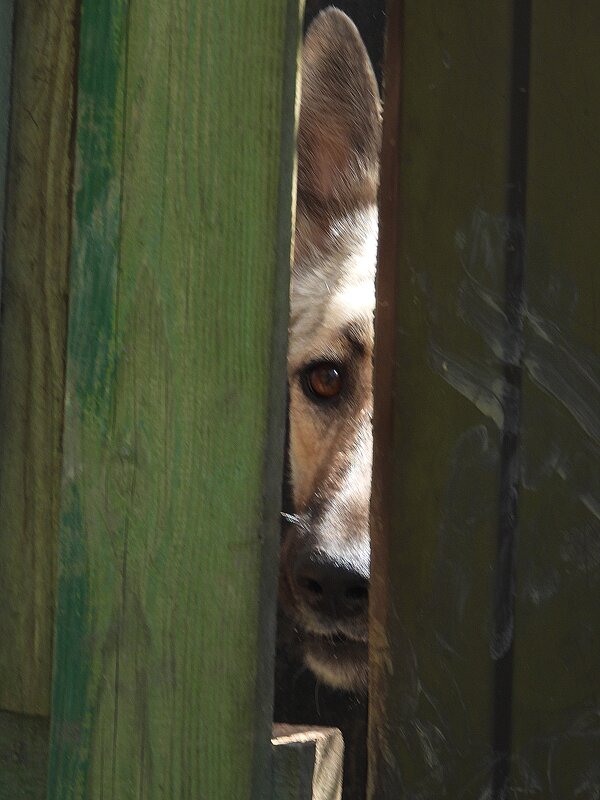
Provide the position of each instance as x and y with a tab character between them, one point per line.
556	726
462	706
175	401
432	674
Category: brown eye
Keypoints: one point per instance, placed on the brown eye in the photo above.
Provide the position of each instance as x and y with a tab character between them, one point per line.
323	380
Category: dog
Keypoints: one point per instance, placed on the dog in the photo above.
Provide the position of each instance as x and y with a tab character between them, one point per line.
325	552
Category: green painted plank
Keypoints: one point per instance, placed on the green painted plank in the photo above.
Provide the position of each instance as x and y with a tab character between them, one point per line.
23	756
32	345
175	401
438	409
556	736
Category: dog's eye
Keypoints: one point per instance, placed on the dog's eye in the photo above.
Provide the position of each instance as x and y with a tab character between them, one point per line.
323	380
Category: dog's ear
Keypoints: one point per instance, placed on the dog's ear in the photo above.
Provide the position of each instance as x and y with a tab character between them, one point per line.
339	132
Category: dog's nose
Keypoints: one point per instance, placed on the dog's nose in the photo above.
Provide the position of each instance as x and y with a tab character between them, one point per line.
331	586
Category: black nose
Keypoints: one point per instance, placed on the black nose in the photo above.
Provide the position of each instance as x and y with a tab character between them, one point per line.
331	586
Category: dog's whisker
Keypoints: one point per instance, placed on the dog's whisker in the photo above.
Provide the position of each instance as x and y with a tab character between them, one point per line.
300	521
317	706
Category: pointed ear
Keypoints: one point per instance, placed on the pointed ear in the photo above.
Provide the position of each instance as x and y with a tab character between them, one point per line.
339	131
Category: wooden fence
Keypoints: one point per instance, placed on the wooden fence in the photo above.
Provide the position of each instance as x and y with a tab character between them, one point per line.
147	225
486	528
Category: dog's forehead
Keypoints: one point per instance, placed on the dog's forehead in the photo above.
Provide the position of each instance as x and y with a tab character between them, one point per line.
333	321
350	311
333	287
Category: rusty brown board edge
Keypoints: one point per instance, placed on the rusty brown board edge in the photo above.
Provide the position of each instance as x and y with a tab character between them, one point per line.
6	37
383	388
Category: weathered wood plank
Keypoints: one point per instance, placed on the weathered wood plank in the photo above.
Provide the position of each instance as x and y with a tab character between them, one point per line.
6	37
438	384
23	756
32	345
293	768
307	763
556	735
175	401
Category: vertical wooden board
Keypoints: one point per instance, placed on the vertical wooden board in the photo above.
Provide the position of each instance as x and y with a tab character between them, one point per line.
438	398
307	763
175	400
556	738
23	756
6	37
293	769
33	343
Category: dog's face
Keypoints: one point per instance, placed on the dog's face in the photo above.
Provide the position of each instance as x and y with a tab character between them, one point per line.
325	553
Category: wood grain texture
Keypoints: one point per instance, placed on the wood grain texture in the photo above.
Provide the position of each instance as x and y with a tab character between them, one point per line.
556	737
307	763
293	768
6	37
437	412
175	403
23	756
32	345
472	697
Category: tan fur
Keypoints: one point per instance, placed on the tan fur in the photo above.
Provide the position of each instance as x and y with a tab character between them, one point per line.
332	306
330	291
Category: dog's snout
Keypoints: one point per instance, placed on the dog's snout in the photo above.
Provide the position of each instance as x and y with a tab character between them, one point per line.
331	587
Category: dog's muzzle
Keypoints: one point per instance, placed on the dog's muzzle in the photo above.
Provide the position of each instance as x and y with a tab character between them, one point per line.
327	597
